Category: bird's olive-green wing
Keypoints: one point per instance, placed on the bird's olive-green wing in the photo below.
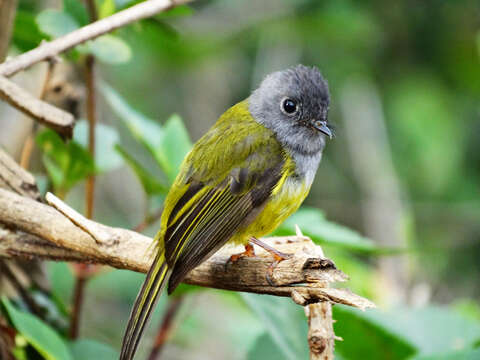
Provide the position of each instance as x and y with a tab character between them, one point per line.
225	184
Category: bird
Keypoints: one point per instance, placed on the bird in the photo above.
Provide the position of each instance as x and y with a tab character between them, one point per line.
240	181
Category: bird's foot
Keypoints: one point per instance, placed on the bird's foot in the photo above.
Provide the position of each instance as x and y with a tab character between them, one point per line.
249	252
278	257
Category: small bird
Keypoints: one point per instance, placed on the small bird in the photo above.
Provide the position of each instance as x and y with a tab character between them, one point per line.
241	180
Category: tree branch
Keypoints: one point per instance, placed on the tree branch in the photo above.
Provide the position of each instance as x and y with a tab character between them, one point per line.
7	14
49	49
300	277
49	115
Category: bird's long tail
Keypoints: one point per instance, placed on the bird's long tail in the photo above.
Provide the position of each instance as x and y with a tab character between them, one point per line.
155	281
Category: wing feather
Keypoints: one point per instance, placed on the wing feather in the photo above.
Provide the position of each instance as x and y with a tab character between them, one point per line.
216	195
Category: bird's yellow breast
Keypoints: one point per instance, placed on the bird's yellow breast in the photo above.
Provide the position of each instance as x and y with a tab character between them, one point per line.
285	200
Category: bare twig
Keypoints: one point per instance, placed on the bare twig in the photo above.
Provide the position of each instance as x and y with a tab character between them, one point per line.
49	49
91	116
7	14
30	140
49	115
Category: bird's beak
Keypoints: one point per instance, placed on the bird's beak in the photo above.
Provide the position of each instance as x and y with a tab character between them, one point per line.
323	127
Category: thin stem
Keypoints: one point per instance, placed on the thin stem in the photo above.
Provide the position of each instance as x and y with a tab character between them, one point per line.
84	271
91	115
78	296
165	327
29	144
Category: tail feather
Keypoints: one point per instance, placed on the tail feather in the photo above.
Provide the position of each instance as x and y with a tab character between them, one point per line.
153	285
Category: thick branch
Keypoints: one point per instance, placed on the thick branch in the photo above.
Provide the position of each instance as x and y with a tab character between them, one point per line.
50	49
14	178
302	277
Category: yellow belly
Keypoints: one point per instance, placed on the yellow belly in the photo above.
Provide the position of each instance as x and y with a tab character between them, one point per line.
283	202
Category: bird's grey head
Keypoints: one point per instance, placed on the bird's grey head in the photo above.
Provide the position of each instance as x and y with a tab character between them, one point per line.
293	103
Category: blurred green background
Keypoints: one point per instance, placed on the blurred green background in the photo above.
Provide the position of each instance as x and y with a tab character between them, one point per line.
403	170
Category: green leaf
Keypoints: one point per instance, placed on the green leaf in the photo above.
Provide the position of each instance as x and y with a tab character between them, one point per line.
285	323
174	146
89	349
312	222
109	49
431	329
106	137
150	185
468	308
265	348
470	354
76	9
147	131
66	164
56	23
26	34
107	8
42	337
365	339
177	11
62	280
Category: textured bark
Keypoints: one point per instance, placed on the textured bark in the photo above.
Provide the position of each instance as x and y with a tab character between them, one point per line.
7	15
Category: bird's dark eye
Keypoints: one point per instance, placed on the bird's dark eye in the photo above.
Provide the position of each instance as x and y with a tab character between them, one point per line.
289	106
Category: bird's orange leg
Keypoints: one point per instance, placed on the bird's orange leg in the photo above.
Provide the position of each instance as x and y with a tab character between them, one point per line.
249	252
278	256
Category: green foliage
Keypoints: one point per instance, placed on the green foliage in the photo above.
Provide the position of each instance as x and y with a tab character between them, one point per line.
266	348
66	163
109	48
106	138
26	34
178	11
56	23
150	184
431	329
174	147
470	354
313	223
106	8
143	129
76	9
422	60
42	337
167	144
90	349
401	332
278	314
372	341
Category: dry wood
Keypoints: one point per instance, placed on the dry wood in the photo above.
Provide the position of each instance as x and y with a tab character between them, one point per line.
49	115
7	14
300	277
14	178
321	338
49	49
41	111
